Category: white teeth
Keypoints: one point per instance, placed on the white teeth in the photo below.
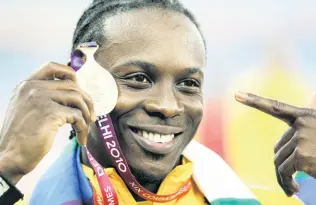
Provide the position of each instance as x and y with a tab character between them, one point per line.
155	137
145	134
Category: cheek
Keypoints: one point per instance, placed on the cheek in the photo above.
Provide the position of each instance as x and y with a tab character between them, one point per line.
194	109
127	100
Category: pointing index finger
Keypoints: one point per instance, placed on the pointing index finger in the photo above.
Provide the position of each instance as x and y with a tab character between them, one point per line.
287	113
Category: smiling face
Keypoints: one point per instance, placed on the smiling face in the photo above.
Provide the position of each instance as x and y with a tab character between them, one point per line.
157	58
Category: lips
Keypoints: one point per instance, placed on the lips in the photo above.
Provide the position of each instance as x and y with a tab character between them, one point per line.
157	139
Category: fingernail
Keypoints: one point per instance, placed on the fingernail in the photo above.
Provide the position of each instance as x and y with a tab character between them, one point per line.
241	96
296	187
289	194
93	117
81	139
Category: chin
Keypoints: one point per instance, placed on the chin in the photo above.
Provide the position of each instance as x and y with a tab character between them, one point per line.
147	166
152	169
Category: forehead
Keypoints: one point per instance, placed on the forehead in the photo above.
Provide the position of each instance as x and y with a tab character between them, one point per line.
154	35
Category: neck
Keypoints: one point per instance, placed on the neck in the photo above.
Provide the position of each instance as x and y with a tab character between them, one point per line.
104	160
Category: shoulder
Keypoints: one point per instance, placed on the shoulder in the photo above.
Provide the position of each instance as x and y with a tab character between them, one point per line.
208	163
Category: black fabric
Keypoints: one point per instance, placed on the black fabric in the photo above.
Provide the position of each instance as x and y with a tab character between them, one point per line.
206	201
11	196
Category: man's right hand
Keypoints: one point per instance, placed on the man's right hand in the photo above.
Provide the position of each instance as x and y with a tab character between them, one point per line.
40	105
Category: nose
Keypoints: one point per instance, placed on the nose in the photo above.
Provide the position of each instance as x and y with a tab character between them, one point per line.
164	105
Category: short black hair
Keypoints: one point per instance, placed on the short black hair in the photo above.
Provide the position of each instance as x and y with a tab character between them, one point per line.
91	23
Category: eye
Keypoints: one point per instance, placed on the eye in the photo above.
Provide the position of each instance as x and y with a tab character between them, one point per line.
141	78
138	80
190	86
189	83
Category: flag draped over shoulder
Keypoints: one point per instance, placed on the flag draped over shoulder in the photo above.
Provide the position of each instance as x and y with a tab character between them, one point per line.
65	183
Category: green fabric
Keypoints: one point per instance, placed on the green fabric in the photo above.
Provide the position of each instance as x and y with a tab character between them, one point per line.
235	202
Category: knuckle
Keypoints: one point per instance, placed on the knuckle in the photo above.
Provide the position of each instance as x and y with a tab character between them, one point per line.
30	89
308	112
297	138
298	153
33	93
300	121
90	102
73	94
277	106
80	93
50	68
49	65
276	147
301	156
281	170
76	96
25	86
78	115
304	138
71	84
275	160
54	117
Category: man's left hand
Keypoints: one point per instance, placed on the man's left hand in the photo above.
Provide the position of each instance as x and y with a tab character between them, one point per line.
296	149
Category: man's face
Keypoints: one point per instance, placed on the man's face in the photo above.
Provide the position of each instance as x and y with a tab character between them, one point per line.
157	58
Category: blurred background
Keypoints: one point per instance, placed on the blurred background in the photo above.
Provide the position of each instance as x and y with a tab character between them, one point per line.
265	47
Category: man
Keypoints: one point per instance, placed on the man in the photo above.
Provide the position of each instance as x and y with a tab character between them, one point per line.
156	53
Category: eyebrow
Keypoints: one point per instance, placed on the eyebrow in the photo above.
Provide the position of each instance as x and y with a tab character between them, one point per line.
141	64
195	70
151	67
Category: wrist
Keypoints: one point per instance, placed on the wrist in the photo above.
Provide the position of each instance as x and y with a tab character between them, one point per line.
9	170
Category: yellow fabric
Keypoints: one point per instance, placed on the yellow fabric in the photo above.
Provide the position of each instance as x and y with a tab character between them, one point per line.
175	180
271	196
22	202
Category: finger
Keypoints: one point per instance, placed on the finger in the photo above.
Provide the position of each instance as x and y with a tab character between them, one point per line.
280	181
286	171
71	99
287	136
74	116
68	85
285	151
287	113
51	71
